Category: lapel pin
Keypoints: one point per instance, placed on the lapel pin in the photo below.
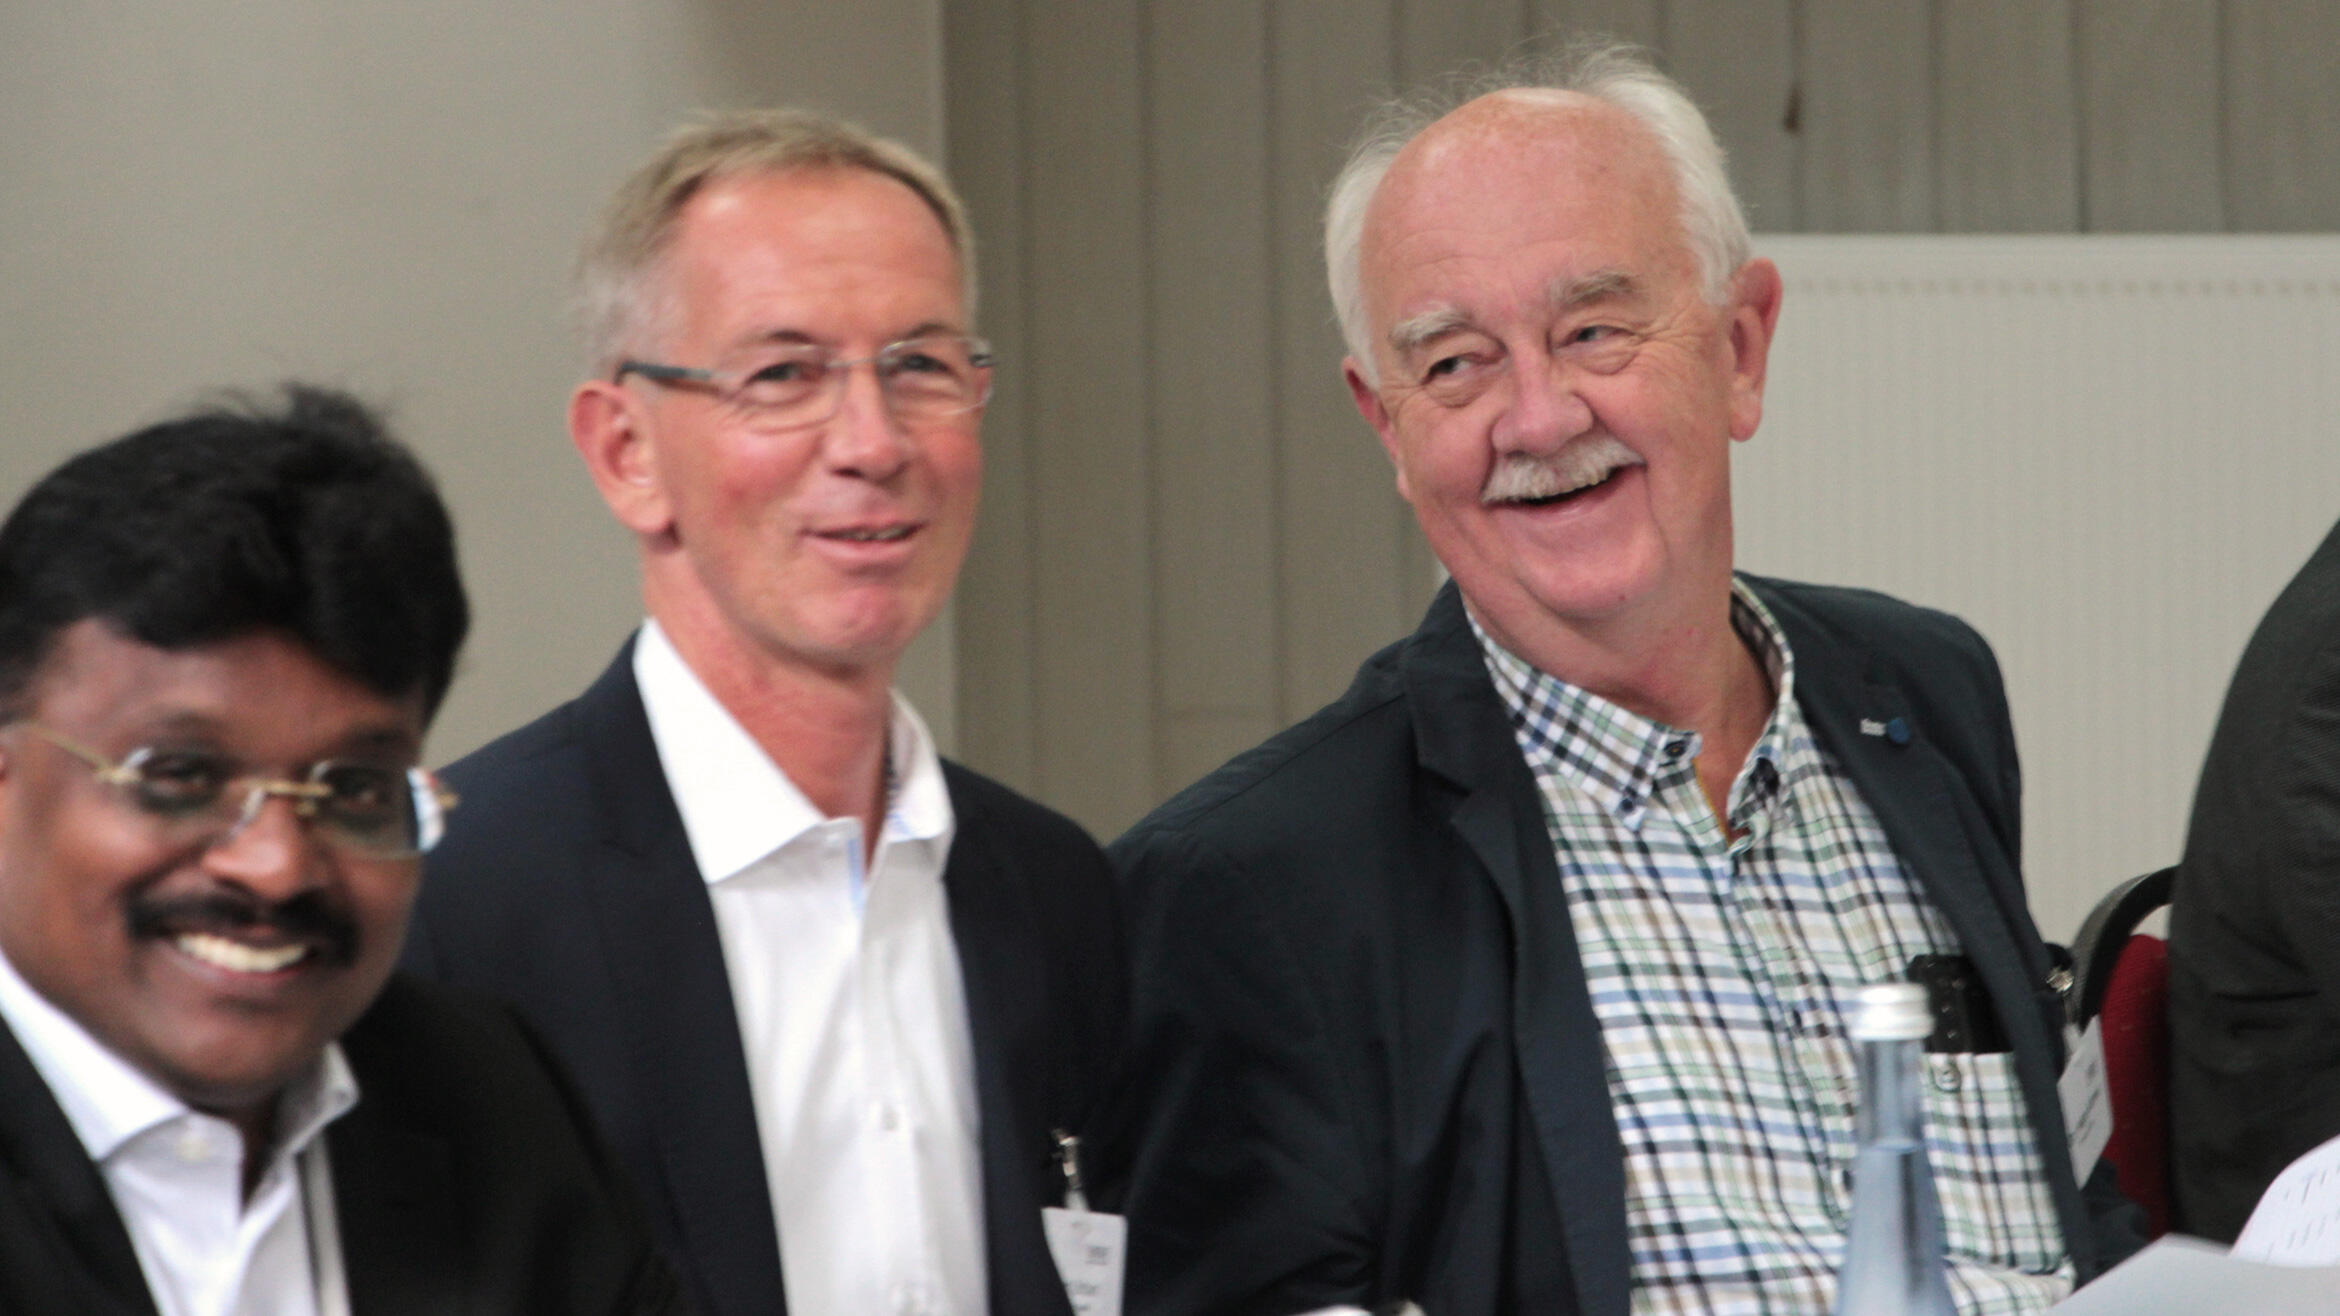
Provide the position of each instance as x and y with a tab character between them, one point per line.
1894	730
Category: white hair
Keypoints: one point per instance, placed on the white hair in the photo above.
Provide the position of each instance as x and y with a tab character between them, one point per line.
1616	74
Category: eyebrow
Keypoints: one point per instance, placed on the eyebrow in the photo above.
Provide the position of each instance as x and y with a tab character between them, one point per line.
799	338
1564	294
1409	335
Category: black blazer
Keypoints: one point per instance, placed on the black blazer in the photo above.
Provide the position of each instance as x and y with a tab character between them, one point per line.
1365	1066
466	1180
2254	944
566	885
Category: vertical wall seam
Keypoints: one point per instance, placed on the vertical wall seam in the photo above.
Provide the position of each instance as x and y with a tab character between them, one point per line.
1142	79
2084	208
1278	436
2222	45
1796	219
1027	240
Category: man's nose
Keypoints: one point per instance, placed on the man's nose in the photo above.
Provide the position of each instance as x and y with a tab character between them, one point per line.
1545	408
865	438
272	853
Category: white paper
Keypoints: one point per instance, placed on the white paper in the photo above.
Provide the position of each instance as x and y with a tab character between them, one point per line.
2087	1102
1089	1248
2297	1221
2190	1277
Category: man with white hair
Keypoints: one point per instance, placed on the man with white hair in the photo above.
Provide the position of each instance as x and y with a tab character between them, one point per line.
1513	980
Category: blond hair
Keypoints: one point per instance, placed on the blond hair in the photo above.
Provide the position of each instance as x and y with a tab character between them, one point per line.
619	302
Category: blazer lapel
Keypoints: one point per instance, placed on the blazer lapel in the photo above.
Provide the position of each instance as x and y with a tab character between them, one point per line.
658	933
1017	1064
1856	706
42	1160
1465	739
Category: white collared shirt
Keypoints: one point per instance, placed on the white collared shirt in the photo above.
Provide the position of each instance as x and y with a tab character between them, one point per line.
176	1174
851	1008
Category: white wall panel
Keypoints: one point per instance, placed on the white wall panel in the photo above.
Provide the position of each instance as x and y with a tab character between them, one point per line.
2108	454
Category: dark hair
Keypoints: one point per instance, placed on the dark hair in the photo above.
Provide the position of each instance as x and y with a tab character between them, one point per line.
304	517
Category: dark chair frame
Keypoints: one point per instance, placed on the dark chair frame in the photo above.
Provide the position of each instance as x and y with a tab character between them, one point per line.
2106	932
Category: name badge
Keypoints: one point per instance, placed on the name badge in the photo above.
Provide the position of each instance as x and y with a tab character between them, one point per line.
1089	1247
2087	1102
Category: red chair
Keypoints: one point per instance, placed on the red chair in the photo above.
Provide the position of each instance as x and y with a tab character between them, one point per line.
2123	979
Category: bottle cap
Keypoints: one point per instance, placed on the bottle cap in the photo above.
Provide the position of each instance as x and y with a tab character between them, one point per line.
1891	1012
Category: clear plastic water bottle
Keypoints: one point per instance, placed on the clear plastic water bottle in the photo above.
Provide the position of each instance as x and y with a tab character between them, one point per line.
1893	1262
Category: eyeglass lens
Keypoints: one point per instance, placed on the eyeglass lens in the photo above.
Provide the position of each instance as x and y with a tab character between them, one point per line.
365	808
799	383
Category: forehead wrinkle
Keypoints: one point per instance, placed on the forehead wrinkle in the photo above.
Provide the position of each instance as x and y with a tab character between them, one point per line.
1573	292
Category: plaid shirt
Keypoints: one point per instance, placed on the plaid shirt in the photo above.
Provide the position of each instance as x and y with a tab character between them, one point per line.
1716	969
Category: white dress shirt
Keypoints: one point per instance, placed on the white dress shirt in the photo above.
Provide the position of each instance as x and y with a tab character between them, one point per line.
176	1174
851	1007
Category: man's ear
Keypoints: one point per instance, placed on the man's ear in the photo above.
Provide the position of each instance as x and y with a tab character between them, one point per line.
610	431
1754	312
1376	414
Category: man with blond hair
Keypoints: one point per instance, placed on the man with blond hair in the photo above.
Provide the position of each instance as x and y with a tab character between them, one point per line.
831	997
1515	979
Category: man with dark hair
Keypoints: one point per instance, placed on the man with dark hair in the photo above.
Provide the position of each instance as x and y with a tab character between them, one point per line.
221	640
831	996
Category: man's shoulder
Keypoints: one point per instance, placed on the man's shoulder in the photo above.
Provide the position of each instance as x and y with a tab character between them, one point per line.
517	761
422	1038
983	804
1349	762
1867	617
549	784
1840	633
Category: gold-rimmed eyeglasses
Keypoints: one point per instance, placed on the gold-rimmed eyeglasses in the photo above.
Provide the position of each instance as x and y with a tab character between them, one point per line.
196	796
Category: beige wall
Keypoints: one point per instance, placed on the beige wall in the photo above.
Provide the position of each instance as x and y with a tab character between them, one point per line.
205	192
1188	539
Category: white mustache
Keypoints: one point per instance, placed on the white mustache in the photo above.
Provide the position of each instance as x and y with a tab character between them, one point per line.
1520	476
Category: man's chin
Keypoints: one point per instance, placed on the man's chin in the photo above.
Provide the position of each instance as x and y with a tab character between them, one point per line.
227	1055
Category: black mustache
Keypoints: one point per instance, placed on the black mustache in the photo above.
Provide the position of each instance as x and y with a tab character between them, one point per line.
308	917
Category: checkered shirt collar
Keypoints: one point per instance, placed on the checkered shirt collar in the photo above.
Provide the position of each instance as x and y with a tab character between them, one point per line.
1616	755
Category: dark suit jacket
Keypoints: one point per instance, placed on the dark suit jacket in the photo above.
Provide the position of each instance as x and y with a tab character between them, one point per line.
466	1180
2254	947
566	885
1364	1064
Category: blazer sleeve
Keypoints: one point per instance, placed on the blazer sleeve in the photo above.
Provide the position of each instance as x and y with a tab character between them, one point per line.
1241	1160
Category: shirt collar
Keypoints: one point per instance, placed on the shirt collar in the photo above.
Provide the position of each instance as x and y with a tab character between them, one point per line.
110	1102
1616	755
737	805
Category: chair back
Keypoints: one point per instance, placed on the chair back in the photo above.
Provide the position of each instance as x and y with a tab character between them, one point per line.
2123	982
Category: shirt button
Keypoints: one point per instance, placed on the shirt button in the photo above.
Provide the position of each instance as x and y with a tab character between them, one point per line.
889	1118
193	1147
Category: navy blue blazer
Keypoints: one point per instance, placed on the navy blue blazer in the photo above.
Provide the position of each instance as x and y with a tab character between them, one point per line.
1364	1064
466	1180
566	886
